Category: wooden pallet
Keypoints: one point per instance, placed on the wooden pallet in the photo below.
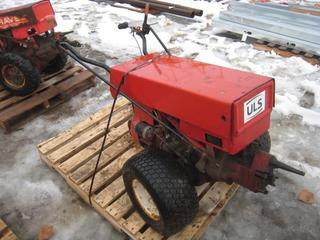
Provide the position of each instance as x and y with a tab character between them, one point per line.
5	232
286	52
54	90
73	154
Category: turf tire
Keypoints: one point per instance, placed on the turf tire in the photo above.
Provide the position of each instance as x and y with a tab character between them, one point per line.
261	143
31	74
169	187
57	63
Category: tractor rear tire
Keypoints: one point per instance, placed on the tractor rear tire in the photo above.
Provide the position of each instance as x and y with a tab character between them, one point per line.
57	63
262	143
18	75
160	191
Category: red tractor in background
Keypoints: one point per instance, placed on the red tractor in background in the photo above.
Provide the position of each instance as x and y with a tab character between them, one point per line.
28	46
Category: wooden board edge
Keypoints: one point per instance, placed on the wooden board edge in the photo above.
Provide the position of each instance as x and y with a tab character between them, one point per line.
84	85
5	232
229	195
122	102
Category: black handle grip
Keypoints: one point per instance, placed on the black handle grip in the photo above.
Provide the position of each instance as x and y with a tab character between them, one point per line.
123	25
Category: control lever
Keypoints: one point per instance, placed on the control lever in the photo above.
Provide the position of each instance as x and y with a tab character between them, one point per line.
142	32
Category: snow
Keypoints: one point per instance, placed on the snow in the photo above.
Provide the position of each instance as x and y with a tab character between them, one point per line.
32	194
5	4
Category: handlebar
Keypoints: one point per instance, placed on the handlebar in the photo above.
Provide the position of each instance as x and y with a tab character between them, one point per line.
143	31
123	25
140	32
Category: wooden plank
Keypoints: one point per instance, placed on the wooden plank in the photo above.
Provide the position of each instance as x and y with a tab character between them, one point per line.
110	193
109	197
15	99
85	171
9	236
92	150
87	137
150	234
5	232
134	223
4	95
38	99
212	198
109	173
210	205
201	190
120	207
55	142
27	116
3	226
55	89
222	204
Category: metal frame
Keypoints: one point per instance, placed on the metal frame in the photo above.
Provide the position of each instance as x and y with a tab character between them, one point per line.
273	23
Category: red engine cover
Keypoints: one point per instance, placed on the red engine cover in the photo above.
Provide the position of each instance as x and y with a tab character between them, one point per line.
218	106
38	17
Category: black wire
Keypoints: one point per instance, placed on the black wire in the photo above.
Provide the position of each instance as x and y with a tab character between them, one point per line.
75	55
143	109
118	90
136	104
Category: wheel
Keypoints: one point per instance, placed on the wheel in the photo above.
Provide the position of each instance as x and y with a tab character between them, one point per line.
160	191
57	63
17	74
261	143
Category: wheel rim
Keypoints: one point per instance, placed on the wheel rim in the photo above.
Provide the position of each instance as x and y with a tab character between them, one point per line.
12	76
145	200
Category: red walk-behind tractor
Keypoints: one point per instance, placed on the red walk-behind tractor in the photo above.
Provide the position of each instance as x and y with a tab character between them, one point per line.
198	123
28	46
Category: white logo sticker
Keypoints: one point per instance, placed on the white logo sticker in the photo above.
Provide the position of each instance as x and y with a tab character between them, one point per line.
254	106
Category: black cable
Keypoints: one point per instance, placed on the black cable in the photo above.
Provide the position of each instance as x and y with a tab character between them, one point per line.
118	90
75	55
136	104
143	109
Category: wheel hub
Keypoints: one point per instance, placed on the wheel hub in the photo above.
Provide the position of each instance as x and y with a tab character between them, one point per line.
13	76
145	200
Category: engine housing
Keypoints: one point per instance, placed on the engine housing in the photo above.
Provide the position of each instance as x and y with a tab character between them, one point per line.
217	106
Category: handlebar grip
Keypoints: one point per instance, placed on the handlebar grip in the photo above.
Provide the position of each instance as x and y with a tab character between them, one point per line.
123	25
